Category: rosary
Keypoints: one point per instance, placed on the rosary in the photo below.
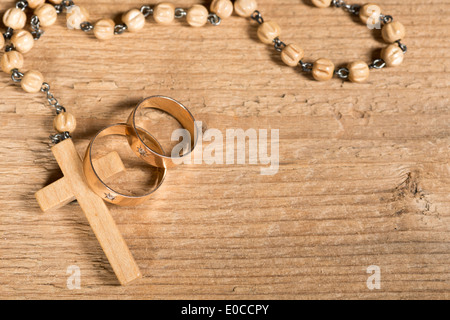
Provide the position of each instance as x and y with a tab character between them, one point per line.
84	179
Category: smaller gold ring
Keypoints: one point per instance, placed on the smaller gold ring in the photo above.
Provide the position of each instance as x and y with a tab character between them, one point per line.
100	187
148	153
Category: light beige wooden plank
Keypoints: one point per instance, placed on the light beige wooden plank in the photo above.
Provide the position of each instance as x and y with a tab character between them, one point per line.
341	201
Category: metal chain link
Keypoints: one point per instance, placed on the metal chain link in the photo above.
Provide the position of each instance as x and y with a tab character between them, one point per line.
402	46
36	26
63	5
8	33
278	44
16	75
180	13
67	3
59	8
22	5
351	8
59	137
256	15
146	10
86	26
120	28
377	64
342	73
51	98
306	66
386	18
214	19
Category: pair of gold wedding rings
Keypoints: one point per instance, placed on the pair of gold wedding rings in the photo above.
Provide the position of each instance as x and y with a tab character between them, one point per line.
144	145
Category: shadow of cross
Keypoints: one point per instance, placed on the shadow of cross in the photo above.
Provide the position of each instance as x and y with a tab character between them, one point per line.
74	186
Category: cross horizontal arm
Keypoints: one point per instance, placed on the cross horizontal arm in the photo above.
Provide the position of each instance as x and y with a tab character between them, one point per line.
59	193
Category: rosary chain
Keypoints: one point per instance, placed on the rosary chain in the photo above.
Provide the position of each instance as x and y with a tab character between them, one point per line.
257	17
8	33
386	18
16	75
59	137
120	28
402	46
9	48
377	64
55	138
65	4
36	27
86	26
180	13
278	44
147	10
59	8
306	66
342	73
351	8
22	5
51	98
214	19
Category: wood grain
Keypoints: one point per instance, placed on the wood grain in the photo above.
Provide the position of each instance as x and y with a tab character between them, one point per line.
364	168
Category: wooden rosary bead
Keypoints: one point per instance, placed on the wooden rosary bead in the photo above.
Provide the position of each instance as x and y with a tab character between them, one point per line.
358	71
55	1
2	42
292	54
11	60
223	8
76	15
321	3
393	31
104	29
164	13
23	41
268	31
65	122
32	81
15	18
370	14
392	55
245	8
197	15
323	69
47	14
134	20
33	4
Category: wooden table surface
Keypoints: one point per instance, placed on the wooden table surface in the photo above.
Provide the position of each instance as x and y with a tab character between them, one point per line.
363	177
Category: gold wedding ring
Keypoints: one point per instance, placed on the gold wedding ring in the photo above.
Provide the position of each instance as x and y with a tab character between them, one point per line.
144	145
145	149
100	187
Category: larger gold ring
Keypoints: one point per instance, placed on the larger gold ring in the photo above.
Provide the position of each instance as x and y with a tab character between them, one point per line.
101	188
147	151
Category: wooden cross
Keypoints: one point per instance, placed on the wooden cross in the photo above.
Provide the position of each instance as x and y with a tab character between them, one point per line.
74	186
